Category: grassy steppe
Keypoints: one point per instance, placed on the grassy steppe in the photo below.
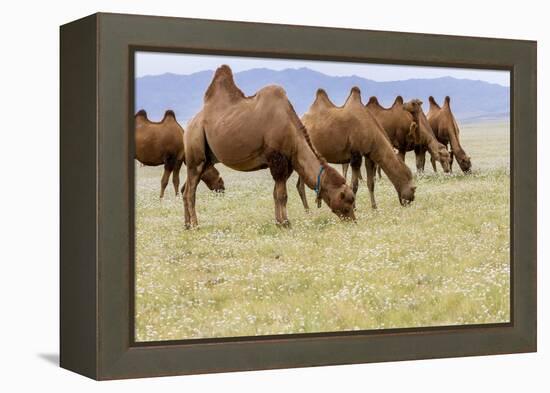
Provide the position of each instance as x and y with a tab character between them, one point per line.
443	260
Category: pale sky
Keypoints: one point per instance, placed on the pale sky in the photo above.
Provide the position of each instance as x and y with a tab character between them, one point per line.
153	63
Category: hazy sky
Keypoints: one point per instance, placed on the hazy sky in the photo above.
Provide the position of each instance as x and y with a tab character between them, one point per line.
149	63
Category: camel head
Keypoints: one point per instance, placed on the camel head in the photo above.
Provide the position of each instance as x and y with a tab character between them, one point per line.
414	106
338	196
405	187
465	163
406	196
213	180
444	158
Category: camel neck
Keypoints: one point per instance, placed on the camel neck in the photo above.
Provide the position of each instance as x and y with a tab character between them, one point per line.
455	145
433	146
306	163
395	169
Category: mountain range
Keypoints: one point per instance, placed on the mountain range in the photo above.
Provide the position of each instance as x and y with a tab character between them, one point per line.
471	100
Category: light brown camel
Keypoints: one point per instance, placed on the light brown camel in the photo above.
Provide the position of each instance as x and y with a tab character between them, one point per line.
346	134
161	143
446	131
408	129
258	132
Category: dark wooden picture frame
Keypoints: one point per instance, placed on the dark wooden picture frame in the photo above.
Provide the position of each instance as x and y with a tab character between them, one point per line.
97	196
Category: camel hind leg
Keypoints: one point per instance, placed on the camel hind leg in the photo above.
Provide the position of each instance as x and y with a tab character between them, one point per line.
189	192
280	168
176	176
169	165
370	180
197	163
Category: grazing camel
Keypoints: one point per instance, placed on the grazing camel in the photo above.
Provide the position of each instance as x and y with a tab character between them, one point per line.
161	143
408	129
348	133
446	131
253	133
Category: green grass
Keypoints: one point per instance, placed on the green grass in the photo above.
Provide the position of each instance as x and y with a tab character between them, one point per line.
444	260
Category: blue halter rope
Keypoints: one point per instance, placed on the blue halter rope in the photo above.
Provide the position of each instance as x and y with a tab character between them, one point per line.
318	185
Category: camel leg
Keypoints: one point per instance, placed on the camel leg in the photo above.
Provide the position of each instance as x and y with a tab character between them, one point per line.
281	169
401	155
377	168
451	162
176	176
189	193
280	197
164	180
420	160
345	168
302	192
434	166
370	180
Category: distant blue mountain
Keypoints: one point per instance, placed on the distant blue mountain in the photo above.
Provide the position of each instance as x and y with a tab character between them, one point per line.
471	100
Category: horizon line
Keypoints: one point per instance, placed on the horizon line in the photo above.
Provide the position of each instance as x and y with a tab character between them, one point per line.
332	76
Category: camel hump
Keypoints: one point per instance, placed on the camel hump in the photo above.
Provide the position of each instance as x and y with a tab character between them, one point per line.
447	100
223	80
398	100
354	95
321	92
373	101
169	114
141	113
321	97
433	102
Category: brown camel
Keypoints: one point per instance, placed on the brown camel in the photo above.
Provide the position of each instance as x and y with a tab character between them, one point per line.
258	132
446	131
408	129
161	143
346	134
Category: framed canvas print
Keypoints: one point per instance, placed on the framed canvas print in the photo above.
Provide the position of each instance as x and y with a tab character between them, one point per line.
241	196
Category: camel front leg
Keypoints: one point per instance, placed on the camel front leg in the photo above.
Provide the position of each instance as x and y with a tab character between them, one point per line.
377	169
451	162
176	177
345	168
355	173
302	192
280	198
401	155
189	194
434	166
420	155
370	180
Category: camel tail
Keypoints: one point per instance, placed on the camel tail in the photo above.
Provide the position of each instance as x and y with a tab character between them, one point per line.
298	123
